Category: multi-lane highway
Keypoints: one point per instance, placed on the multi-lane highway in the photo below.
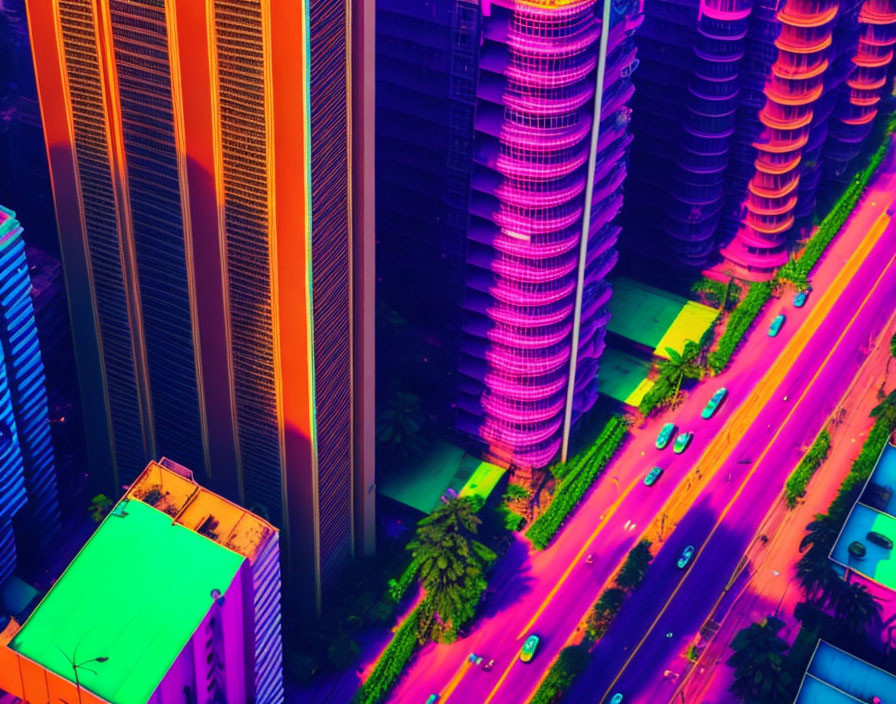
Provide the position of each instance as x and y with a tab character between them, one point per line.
549	592
665	614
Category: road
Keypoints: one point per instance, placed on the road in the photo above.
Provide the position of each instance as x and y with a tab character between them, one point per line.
663	617
769	579
548	592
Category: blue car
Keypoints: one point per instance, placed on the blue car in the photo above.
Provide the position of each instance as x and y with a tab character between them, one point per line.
713	404
682	442
652	476
775	327
686	556
799	300
665	435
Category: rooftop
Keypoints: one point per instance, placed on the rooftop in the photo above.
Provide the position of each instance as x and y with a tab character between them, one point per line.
134	594
836	677
874	511
623	376
656	318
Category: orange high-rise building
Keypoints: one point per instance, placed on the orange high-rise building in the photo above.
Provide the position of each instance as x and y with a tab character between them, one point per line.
215	218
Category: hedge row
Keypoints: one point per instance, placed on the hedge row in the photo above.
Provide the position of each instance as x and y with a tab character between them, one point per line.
799	478
573	466
392	662
739	322
398	587
571	663
573	660
577	482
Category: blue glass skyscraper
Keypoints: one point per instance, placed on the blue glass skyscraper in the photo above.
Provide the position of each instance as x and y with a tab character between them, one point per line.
28	490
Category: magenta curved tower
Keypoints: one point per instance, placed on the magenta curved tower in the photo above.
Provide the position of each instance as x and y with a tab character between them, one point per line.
528	274
792	89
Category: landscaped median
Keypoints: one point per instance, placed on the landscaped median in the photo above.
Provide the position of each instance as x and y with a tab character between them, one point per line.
573	659
575	478
799	478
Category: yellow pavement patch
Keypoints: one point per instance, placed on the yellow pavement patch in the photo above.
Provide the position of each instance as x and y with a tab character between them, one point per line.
691	322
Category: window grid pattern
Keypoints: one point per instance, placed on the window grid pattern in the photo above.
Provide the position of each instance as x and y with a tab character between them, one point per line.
144	82
92	159
331	290
238	36
516	348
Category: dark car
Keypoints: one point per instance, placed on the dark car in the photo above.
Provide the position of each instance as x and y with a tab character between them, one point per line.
879	539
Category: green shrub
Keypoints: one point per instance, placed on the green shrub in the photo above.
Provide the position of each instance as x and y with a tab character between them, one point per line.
578	480
739	322
571	663
799	478
398	587
573	465
604	611
392	662
635	566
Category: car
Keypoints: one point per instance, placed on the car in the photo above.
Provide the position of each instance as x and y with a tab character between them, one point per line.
775	327
433	698
879	539
799	300
616	698
856	549
529	648
686	556
652	476
665	436
682	442
713	403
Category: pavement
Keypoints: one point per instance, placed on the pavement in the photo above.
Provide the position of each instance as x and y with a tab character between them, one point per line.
769	585
664	615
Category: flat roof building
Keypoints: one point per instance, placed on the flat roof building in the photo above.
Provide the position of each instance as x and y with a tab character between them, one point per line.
836	677
176	597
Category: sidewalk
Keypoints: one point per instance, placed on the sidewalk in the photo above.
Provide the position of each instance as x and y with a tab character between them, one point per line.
767	585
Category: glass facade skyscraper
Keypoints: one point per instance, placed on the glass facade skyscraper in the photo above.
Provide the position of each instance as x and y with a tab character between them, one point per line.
213	231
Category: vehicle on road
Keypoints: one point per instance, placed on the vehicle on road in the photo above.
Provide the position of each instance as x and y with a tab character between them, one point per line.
879	539
665	436
799	300
682	442
529	648
489	665
433	698
713	404
686	556
652	476
616	698
775	327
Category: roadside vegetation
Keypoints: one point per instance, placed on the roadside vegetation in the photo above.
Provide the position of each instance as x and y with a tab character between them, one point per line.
799	478
575	478
766	669
573	659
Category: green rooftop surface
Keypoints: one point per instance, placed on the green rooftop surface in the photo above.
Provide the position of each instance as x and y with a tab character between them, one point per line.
444	466
134	594
835	676
656	318
623	376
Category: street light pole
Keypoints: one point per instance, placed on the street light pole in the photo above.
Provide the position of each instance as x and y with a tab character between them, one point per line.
76	666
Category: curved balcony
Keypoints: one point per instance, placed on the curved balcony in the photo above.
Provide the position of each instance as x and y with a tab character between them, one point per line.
547	101
727	10
531	316
511	410
536	271
511	360
540	194
541	247
878	12
807	13
526	389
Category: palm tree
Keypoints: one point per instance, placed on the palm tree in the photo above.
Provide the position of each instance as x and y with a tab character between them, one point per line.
760	672
817	578
681	366
856	610
451	567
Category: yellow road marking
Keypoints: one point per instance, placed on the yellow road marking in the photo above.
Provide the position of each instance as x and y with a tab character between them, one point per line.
455	680
857	258
877	229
